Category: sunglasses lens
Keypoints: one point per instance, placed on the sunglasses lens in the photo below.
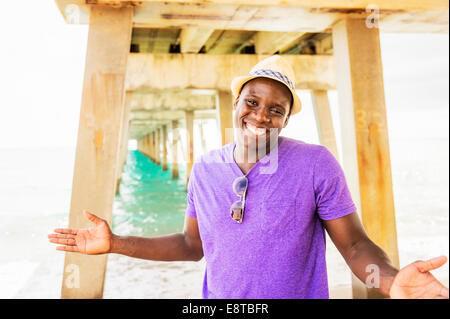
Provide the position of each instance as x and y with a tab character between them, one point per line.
236	211
240	185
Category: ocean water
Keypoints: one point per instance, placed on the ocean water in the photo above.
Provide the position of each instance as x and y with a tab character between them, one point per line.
150	202
35	186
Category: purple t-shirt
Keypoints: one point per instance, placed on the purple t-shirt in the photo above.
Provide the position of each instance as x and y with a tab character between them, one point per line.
278	251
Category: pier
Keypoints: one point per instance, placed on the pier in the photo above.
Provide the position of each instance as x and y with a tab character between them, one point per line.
153	67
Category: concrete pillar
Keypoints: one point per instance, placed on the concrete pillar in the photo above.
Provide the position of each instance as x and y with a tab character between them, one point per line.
157	146
97	153
189	119
164	147
324	121
365	148
123	150
202	136
224	107
175	139
151	146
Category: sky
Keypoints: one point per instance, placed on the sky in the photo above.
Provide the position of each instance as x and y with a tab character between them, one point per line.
42	65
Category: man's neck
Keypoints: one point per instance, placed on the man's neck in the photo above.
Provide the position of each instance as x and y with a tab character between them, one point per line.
247	156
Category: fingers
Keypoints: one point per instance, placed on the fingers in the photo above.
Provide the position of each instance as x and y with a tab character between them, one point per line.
96	220
68	240
63	241
433	263
69	236
68	248
66	231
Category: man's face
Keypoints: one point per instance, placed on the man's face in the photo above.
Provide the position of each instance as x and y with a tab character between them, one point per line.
262	108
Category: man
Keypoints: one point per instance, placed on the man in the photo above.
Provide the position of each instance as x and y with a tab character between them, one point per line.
258	207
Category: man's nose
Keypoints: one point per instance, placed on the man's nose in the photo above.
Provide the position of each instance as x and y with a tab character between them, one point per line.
261	115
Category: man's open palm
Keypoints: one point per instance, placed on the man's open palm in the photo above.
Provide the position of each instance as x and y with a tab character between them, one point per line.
91	241
415	281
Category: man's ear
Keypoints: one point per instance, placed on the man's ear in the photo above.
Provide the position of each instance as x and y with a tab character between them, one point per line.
236	102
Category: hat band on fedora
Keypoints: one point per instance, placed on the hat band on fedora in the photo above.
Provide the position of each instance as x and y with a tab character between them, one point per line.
275	74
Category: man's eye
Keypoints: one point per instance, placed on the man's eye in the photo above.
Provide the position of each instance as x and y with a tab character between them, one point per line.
277	112
252	102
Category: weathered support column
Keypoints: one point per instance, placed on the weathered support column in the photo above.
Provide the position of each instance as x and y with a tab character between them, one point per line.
143	142
324	121
175	139
149	145
146	145
365	143
164	147
224	106
157	146
202	136
153	146
189	118
123	150
97	151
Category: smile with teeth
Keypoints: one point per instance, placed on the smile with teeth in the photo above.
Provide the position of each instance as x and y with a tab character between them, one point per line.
255	130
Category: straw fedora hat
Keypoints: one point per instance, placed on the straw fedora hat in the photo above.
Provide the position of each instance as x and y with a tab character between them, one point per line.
276	68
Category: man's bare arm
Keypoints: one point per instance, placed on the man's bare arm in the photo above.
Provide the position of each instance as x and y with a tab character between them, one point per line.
412	281
350	238
185	246
99	239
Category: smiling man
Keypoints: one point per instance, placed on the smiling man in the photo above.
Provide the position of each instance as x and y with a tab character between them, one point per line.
259	226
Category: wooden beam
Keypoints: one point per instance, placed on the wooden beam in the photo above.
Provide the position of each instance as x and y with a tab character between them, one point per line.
312	43
324	121
145	145
173	100
157	146
337	4
97	152
143	122
202	136
225	116
164	147
228	41
149	40
366	154
163	116
153	146
272	42
204	71
429	5
189	120
193	39
269	15
124	133
150	146
175	139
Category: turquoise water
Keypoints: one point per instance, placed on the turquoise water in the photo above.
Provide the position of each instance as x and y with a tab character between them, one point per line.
150	202
35	191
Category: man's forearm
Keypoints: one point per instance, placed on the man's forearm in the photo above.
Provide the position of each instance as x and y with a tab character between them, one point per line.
164	248
367	259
